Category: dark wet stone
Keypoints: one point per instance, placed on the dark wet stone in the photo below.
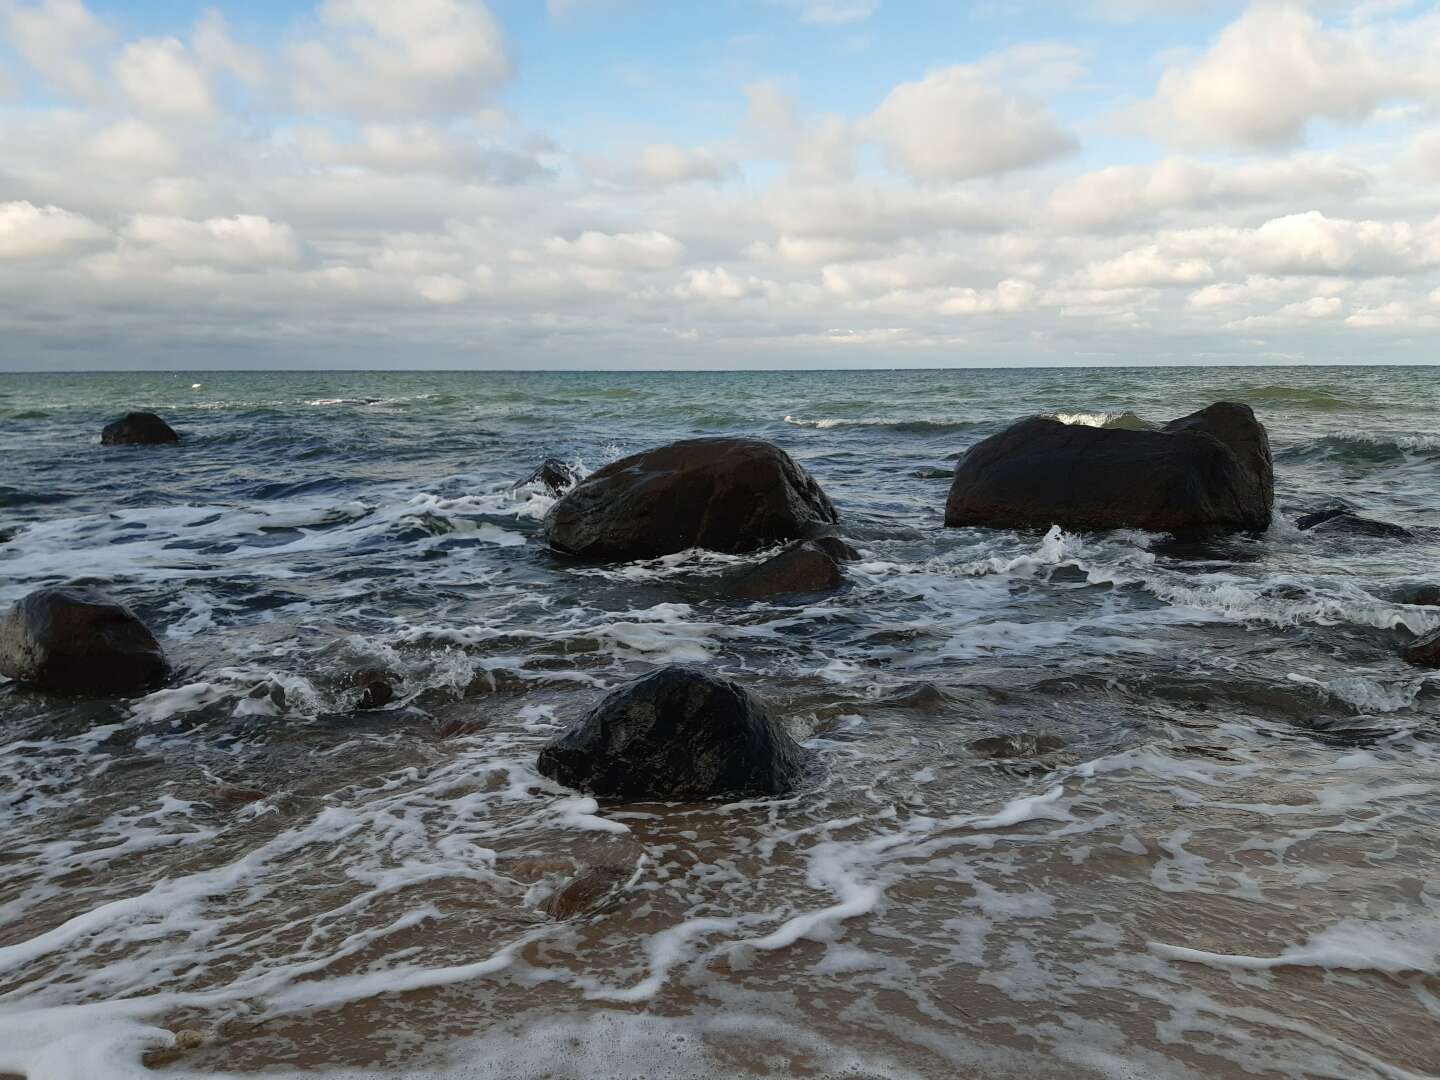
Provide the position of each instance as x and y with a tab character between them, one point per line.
138	429
837	549
932	473
800	568
239	796
554	474
926	697
1339	521
591	891
1025	745
1204	474
731	495
377	688
78	641
1425	651
1286	592
679	733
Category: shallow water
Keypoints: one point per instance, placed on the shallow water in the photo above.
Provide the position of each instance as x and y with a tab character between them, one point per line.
1216	862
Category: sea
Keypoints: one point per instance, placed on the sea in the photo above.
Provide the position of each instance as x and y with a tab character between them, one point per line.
1098	805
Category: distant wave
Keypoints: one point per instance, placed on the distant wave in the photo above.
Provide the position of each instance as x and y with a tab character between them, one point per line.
913	427
1298	396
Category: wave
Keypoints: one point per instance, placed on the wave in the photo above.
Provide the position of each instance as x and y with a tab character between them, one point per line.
911	427
1301	397
1120	421
1365	449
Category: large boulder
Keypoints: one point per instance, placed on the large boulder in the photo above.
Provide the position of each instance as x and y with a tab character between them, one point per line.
676	734
79	642
138	428
731	495
1202	474
803	567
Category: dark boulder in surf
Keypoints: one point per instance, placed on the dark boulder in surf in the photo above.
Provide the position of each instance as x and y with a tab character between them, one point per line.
1204	474
79	642
804	567
553	474
677	734
1340	521
731	495
138	429
1425	651
376	687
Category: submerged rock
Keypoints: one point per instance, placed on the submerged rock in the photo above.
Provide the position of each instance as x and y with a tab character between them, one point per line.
554	474
587	893
679	733
1417	595
139	429
836	548
730	495
1424	651
1340	521
1024	745
1202	474
79	642
801	568
377	687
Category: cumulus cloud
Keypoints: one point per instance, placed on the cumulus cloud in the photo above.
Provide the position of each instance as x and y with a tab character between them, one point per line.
160	75
29	232
1121	195
57	38
246	240
381	59
651	250
1273	71
955	125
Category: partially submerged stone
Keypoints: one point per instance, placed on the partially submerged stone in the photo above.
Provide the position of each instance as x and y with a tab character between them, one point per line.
79	642
1202	474
679	733
729	495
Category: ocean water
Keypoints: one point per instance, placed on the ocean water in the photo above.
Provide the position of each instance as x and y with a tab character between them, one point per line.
1090	806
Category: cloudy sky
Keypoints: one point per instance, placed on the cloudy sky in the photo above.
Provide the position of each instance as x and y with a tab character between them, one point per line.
727	183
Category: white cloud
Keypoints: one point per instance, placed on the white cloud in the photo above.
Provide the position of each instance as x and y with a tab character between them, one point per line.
1008	297
1147	266
1124	195
833	12
1273	71
217	51
955	125
133	146
383	59
158	75
644	251
246	240
28	231
57	39
716	283
1312	243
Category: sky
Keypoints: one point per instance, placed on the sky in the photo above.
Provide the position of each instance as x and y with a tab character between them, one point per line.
721	184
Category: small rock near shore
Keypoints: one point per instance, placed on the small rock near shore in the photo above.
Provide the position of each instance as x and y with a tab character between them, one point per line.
677	734
79	642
